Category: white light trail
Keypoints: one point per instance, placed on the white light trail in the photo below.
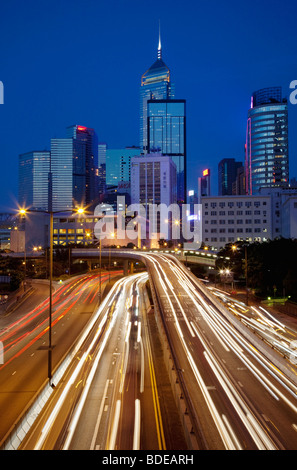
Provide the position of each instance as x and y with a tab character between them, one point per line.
137	423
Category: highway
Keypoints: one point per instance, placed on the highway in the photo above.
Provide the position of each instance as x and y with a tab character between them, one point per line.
109	397
25	341
239	399
281	336
240	392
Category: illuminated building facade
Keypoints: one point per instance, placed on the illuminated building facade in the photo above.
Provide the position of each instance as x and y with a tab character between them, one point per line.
74	162
118	164
228	219
204	185
267	152
166	131
155	85
227	174
34	168
102	167
85	164
153	182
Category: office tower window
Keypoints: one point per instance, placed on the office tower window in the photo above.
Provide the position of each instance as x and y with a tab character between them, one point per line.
227	176
34	168
155	85
166	125
267	156
74	166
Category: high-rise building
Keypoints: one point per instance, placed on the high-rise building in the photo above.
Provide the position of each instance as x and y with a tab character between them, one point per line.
118	164
238	186
227	174
153	183
204	185
156	85
228	219
267	152
85	166
34	168
74	169
153	180
166	132
102	146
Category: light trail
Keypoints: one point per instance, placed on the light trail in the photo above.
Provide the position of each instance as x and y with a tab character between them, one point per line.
231	341
114	291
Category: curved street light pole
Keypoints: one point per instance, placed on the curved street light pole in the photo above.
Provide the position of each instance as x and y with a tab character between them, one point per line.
51	251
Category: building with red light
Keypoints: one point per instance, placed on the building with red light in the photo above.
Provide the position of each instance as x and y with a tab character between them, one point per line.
74	169
204	185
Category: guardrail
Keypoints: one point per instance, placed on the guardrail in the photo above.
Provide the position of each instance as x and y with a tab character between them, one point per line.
18	431
186	410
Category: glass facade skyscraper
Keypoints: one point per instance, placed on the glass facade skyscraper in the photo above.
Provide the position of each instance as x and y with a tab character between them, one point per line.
166	131
227	174
74	168
102	167
62	155
118	164
85	165
267	152
155	84
34	168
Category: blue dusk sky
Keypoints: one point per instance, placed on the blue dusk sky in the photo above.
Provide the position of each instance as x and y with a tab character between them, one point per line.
80	62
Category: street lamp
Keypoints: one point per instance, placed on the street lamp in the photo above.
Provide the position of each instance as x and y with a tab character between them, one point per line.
246	274
109	258
88	235
234	248
51	213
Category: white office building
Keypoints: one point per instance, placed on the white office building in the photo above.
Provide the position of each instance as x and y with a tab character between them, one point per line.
228	219
153	182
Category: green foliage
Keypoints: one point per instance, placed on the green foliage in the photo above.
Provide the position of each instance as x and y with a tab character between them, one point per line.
14	268
271	265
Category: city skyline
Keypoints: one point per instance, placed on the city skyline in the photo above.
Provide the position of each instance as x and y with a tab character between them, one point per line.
40	104
148	228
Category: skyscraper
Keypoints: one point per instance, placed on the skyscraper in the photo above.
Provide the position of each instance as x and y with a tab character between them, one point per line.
74	169
118	164
34	168
85	165
155	84
102	167
153	183
227	174
166	131
267	153
204	185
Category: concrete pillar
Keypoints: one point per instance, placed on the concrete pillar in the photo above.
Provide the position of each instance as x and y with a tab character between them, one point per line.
126	268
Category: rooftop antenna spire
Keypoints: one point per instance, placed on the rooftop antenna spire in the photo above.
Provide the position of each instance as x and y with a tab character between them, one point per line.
159	45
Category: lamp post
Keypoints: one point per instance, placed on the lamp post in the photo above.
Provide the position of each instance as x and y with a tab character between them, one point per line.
234	248
246	275
88	235
109	258
23	212
100	286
